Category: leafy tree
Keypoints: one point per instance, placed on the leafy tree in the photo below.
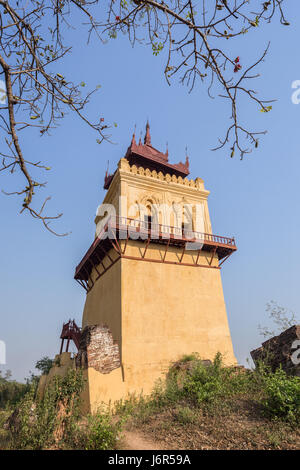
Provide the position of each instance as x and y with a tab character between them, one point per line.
6	377
196	37
44	365
280	316
11	392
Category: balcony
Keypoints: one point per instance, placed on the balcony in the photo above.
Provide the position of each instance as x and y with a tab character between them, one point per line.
117	231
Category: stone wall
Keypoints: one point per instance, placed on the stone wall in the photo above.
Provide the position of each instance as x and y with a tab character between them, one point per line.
98	349
62	363
283	350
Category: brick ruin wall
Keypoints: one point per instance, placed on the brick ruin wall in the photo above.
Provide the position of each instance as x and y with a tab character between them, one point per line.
97	349
283	350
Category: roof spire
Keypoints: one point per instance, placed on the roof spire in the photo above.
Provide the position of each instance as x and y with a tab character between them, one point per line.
167	151
187	163
147	139
133	142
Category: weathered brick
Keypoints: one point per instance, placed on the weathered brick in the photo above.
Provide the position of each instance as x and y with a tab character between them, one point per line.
97	349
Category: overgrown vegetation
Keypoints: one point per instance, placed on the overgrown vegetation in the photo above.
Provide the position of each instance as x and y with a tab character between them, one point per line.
99	431
44	365
195	392
54	420
42	422
282	396
11	391
257	409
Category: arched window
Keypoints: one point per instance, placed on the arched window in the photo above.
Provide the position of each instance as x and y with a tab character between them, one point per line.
150	218
177	218
187	223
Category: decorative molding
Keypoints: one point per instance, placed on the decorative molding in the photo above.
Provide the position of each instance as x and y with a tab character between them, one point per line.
124	166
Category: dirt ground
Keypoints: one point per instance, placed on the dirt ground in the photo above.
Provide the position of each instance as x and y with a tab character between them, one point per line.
243	428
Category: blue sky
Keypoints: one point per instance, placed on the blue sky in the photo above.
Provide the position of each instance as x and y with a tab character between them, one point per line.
256	200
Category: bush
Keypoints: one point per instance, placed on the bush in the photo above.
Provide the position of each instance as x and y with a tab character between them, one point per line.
185	415
39	423
190	383
189	358
44	365
214	388
210	384
282	396
98	433
11	392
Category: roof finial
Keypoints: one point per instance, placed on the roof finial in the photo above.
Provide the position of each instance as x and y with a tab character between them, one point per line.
187	163
147	139
133	142
167	151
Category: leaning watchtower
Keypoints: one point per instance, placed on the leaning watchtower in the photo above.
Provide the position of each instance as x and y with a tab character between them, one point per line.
152	274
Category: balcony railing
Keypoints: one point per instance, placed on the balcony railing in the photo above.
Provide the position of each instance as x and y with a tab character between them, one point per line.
126	227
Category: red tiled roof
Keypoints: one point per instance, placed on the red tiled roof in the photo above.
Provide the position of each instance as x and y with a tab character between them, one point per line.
149	157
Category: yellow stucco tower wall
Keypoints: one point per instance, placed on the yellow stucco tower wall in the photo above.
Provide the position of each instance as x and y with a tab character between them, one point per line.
156	311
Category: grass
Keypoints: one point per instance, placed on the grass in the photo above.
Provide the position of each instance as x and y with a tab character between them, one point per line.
97	431
197	406
215	407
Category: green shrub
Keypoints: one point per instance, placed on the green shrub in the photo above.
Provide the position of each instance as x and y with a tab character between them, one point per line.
282	396
185	415
216	388
189	357
210	384
131	406
40	423
98	433
196	384
44	365
166	393
11	392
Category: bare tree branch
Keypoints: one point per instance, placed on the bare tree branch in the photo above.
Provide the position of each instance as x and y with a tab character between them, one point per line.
197	37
